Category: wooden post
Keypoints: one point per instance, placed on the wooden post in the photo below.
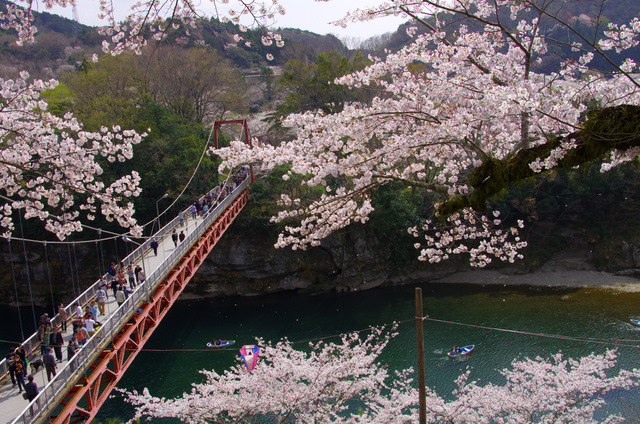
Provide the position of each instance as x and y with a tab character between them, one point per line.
421	371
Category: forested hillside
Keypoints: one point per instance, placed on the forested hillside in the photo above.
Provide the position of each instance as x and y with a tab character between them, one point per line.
62	45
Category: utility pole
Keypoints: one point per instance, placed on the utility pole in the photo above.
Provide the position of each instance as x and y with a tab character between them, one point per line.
421	372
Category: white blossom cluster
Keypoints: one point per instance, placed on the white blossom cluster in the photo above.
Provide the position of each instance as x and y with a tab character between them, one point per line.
344	383
617	158
621	37
468	232
20	20
159	17
553	390
49	168
448	102
551	161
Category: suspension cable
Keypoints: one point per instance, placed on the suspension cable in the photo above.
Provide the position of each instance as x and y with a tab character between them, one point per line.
26	263
15	288
53	303
73	285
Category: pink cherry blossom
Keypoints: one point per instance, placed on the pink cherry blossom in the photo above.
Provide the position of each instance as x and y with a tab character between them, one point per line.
345	383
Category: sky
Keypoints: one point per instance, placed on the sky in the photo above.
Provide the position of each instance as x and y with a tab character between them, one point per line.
302	14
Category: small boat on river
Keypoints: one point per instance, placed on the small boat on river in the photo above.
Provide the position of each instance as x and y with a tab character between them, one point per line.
635	322
454	353
221	343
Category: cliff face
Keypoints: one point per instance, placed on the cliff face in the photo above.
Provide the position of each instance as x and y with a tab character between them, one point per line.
247	266
245	263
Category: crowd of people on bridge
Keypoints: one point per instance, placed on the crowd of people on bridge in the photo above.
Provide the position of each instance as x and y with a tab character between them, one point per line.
85	322
213	197
121	279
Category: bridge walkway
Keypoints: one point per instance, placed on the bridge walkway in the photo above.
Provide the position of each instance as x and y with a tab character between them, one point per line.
83	383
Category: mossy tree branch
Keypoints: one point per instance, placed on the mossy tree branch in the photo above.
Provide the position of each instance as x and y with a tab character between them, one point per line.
604	130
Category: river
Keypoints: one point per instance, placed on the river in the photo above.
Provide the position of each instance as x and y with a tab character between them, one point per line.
172	357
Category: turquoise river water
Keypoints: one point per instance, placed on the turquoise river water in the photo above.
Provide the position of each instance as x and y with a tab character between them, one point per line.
176	351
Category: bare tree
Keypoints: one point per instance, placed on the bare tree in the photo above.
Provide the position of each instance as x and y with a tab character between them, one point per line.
197	83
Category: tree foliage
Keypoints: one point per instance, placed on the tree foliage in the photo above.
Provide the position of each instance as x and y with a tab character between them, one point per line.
308	85
197	84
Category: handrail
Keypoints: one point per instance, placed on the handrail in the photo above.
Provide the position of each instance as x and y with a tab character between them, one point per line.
40	406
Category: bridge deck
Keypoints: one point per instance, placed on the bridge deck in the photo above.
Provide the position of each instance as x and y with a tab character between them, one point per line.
13	408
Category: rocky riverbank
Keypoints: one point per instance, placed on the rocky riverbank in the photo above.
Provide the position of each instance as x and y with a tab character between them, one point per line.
252	270
570	268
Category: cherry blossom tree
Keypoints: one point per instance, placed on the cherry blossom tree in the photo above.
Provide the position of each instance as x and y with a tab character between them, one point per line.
317	385
345	383
148	19
462	114
49	166
540	390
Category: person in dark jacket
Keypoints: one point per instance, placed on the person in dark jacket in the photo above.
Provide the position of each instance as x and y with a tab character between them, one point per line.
174	237
49	364
112	271
31	389
20	373
56	341
72	348
154	246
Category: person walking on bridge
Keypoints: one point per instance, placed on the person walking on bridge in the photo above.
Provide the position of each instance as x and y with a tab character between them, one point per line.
20	372
120	296
49	364
174	237
12	366
140	274
122	277
78	311
154	246
72	348
101	298
131	275
112	271
56	340
63	317
114	287
31	389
